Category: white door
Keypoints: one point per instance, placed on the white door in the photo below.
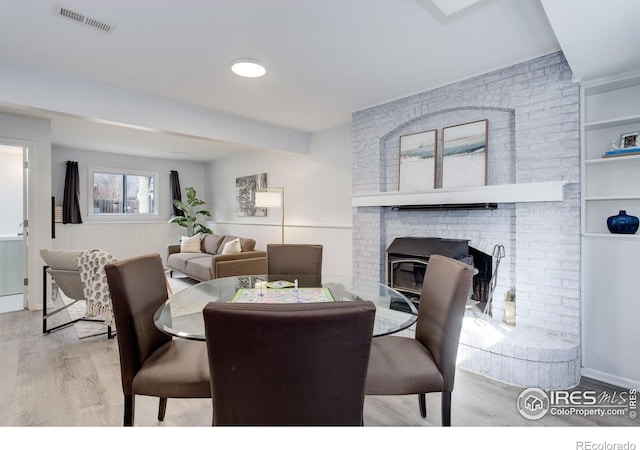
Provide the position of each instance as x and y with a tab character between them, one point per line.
13	227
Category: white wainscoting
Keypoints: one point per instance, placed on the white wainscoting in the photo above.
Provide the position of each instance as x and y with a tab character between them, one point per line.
122	240
125	240
335	239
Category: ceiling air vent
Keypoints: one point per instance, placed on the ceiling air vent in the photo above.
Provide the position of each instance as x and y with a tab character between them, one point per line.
76	16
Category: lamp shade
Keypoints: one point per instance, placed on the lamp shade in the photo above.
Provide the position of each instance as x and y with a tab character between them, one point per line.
268	199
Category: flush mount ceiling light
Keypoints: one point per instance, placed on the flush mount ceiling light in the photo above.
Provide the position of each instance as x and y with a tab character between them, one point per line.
248	68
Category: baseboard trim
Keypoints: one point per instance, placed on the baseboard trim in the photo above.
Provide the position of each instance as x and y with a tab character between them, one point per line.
610	378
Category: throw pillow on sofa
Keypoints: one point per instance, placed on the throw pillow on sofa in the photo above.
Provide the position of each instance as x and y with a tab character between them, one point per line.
232	247
190	244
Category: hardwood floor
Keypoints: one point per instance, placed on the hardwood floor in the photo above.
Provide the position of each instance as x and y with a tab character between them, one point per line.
58	380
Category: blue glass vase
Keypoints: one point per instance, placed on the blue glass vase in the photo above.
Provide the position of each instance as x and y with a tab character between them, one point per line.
622	223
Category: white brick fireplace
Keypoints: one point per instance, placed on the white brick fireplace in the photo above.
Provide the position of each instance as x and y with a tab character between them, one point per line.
533	141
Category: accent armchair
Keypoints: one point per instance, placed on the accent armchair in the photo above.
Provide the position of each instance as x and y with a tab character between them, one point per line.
77	280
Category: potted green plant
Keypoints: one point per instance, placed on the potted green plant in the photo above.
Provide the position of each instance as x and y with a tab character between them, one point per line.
191	213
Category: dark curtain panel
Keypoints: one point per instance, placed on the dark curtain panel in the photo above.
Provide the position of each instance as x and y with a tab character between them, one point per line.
71	200
175	193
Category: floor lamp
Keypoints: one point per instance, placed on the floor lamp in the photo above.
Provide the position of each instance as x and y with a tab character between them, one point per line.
269	199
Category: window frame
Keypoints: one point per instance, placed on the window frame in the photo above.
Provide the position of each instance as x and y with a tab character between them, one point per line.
122	172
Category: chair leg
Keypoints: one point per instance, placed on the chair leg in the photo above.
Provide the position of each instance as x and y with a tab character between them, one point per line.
162	408
446	409
129	405
422	403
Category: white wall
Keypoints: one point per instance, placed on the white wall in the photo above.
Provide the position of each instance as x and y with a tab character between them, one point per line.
317	197
122	237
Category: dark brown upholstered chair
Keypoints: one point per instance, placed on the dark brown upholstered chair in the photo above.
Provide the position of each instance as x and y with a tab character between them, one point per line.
295	261
426	363
288	364
151	362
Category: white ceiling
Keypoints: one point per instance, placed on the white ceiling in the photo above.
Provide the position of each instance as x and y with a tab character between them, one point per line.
325	59
600	38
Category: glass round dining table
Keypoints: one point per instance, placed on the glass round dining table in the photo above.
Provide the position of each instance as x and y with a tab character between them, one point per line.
181	315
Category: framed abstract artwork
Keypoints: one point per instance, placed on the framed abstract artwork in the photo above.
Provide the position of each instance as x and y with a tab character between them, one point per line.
417	166
246	188
464	154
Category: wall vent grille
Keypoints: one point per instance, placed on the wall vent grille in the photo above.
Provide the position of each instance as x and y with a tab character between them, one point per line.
79	17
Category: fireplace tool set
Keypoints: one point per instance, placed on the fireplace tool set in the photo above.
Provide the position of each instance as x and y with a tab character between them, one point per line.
498	254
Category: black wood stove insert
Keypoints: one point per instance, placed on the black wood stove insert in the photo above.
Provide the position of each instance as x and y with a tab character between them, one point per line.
408	257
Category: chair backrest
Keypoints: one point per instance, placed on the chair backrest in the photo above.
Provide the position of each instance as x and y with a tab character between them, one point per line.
295	261
138	288
64	270
445	291
288	364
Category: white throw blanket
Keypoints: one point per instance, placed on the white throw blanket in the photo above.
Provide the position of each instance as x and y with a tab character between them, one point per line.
94	283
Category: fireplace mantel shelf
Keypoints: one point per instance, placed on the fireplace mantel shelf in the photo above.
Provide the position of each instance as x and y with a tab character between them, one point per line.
549	191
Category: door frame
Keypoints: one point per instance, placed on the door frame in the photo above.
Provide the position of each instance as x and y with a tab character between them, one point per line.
27	150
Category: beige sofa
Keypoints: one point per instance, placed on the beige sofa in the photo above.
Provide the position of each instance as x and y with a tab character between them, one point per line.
210	263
